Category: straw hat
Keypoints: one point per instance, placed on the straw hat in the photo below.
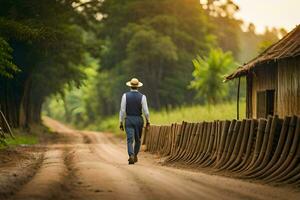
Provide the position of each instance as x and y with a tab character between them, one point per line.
134	82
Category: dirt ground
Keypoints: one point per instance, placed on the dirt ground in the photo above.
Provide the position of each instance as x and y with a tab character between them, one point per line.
91	165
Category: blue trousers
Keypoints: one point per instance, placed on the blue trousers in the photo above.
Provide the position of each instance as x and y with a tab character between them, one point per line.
134	128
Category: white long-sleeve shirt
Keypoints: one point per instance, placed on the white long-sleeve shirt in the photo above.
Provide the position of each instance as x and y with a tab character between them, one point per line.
123	107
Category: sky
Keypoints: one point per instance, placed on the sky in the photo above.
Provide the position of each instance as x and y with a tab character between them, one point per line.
271	13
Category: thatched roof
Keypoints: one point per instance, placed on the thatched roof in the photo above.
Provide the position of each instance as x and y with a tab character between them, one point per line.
287	47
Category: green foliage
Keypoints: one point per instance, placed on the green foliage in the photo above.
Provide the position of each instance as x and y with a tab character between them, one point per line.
7	67
195	113
225	26
227	36
252	44
154	41
56	46
22	140
54	107
209	73
72	106
34	135
50	46
151	56
270	37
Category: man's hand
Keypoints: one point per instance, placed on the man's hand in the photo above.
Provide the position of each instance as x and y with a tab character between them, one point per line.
121	126
147	125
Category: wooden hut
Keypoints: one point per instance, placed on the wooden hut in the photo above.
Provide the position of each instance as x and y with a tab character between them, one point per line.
273	79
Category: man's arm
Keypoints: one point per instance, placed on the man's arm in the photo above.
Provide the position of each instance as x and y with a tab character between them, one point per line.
122	110
145	109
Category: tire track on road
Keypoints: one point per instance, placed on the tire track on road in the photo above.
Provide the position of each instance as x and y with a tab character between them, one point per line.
47	179
15	177
99	179
155	183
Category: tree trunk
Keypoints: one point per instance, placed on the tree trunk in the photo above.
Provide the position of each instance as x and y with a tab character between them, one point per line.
24	113
9	101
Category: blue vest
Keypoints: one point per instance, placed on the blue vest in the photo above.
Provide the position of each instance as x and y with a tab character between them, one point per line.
134	103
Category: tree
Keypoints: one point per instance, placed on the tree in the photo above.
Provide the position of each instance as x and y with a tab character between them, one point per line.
225	26
7	67
151	57
269	37
154	40
209	73
48	42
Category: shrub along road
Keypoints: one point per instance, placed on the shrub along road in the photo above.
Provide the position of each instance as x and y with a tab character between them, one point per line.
92	165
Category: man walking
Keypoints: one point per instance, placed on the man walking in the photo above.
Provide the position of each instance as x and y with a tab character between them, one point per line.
133	104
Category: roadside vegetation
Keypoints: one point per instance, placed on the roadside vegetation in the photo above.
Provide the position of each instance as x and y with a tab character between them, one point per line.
37	134
196	113
71	59
20	139
181	50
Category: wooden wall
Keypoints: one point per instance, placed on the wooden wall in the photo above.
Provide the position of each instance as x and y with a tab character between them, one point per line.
289	87
263	78
283	77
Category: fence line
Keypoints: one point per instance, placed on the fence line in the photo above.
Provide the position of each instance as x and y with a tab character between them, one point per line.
4	127
264	149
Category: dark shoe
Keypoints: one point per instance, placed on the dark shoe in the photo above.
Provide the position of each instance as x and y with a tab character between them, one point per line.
131	160
135	159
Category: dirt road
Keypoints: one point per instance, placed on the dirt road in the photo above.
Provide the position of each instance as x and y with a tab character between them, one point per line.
91	165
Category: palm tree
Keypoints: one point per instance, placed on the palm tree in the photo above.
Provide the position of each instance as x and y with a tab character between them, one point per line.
209	73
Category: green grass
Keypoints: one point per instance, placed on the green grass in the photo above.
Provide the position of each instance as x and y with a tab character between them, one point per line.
37	133
20	140
110	124
195	113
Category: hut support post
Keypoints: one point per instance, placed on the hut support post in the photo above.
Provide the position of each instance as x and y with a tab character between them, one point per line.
238	100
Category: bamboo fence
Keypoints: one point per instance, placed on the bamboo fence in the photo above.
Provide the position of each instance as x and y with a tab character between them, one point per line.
263	149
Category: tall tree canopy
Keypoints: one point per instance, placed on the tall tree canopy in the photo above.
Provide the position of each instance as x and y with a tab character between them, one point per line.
46	46
155	41
45	40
